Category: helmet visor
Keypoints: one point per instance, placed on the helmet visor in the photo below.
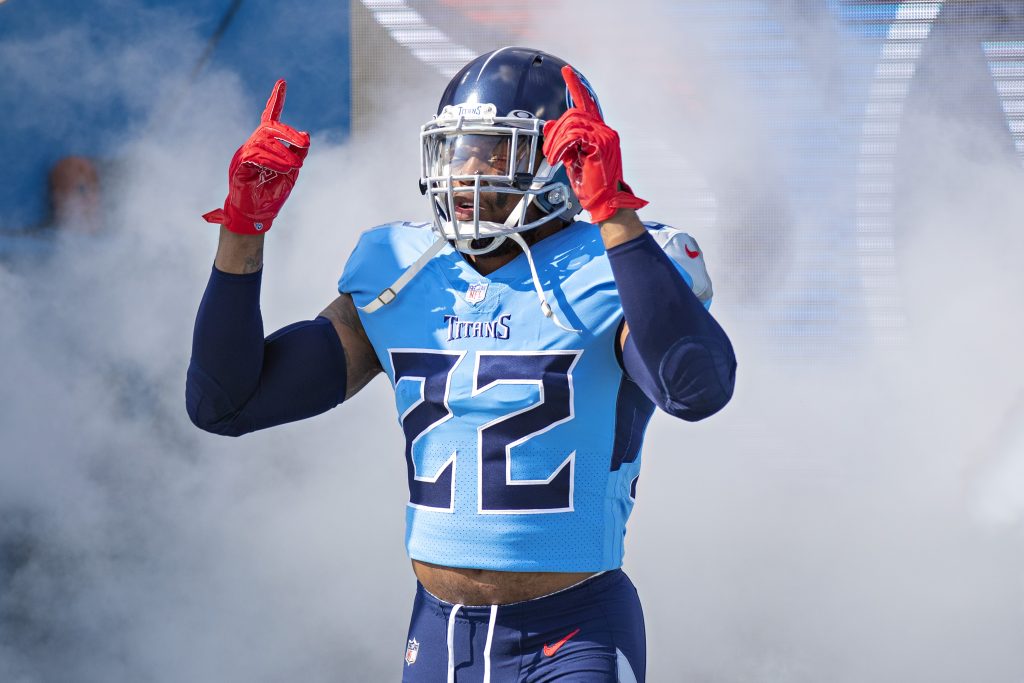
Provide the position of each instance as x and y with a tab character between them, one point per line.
493	155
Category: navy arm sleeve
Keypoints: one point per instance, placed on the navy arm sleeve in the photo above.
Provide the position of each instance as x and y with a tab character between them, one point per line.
675	351
239	382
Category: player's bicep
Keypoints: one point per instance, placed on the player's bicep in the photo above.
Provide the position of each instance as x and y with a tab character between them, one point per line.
361	360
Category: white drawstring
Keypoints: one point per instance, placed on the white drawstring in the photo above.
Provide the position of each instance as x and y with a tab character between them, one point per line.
544	306
487	644
492	622
451	647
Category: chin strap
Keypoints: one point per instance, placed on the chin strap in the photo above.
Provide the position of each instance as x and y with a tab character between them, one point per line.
466	246
545	307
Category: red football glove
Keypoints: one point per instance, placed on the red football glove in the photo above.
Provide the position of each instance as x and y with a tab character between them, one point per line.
262	172
590	151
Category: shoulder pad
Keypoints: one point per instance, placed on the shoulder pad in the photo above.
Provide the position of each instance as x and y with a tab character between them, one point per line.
381	254
683	249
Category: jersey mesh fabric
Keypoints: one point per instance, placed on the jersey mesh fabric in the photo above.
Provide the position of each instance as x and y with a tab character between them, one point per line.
510	421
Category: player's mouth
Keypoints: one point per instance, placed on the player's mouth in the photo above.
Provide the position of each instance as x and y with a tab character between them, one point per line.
491	208
464	209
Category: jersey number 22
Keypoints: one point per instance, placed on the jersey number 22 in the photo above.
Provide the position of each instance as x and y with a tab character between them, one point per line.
497	491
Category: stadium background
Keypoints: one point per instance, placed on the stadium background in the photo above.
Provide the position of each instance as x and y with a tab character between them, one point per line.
852	170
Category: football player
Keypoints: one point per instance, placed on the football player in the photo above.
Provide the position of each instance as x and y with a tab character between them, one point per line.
527	351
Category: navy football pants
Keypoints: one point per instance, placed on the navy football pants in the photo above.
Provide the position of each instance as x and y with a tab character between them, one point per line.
592	632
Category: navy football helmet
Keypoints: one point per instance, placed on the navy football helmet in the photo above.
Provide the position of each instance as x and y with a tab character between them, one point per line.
486	138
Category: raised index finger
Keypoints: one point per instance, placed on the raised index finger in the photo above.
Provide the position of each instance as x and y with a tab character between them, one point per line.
580	94
275	104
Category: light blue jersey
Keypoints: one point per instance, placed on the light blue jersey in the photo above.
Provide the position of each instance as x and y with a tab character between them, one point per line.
522	439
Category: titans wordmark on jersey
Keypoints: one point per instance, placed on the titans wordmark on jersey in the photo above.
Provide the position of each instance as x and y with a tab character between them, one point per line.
522	439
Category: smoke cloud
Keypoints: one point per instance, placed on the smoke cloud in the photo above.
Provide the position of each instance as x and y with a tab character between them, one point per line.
851	516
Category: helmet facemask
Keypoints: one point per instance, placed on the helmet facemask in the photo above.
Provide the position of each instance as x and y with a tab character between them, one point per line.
467	151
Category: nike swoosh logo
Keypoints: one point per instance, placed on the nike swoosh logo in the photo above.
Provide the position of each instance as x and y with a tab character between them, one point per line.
691	254
550	650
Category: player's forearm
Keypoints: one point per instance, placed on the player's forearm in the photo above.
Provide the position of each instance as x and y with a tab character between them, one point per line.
239	254
238	381
675	351
227	348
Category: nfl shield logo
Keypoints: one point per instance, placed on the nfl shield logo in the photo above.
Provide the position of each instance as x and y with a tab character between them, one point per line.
411	651
477	292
